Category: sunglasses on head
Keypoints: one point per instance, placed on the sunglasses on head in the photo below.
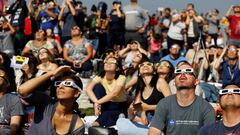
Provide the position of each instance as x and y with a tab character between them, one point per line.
189	71
227	91
145	64
67	84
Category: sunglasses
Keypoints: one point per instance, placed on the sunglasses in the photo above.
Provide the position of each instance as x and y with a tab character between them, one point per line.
227	91
67	84
189	71
162	64
145	64
232	49
107	61
75	28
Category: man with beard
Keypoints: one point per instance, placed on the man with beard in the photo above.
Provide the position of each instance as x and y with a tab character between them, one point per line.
174	56
10	107
230	104
230	66
183	113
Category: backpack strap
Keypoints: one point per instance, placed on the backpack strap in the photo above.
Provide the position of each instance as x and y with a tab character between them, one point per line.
73	123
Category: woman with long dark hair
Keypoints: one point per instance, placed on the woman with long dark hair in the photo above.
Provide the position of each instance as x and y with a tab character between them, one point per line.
107	93
55	117
149	91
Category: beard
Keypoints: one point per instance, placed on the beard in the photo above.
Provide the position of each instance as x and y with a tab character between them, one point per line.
185	87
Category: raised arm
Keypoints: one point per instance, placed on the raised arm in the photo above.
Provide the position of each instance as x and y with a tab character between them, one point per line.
229	11
29	86
218	61
162	86
123	53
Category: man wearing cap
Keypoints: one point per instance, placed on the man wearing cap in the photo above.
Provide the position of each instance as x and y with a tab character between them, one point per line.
234	24
230	104
182	113
136	21
174	55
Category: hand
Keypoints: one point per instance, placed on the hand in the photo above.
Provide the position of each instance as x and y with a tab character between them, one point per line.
138	107
128	46
77	64
42	7
97	109
118	6
131	112
60	70
141	30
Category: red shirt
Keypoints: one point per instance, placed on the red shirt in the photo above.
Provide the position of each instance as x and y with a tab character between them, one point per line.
27	26
234	26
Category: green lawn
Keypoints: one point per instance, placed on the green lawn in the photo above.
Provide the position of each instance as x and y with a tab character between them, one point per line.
87	111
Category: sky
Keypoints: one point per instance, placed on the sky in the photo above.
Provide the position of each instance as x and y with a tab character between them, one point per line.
153	5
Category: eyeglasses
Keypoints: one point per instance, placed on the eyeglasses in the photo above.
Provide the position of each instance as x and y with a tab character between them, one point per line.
232	49
227	91
145	64
107	61
162	64
67	84
189	71
75	28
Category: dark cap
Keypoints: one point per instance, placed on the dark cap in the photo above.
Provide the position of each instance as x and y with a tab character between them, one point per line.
117	2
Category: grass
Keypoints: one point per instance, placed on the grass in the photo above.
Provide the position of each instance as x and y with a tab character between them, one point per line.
87	111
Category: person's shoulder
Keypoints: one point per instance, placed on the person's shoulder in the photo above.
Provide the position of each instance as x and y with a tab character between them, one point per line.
122	76
168	99
202	102
165	57
208	129
12	96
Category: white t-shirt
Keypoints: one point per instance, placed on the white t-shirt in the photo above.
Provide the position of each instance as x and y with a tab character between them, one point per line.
175	29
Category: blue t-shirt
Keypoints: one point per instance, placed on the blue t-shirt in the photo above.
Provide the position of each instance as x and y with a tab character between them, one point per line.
218	128
47	21
174	62
230	75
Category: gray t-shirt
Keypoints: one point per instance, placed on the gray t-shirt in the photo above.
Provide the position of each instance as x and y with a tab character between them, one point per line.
77	52
180	120
44	110
6	43
135	16
10	105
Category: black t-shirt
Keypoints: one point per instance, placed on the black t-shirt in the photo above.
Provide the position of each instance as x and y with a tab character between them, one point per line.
218	128
116	24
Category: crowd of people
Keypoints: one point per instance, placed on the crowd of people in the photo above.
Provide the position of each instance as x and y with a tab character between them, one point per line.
172	72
